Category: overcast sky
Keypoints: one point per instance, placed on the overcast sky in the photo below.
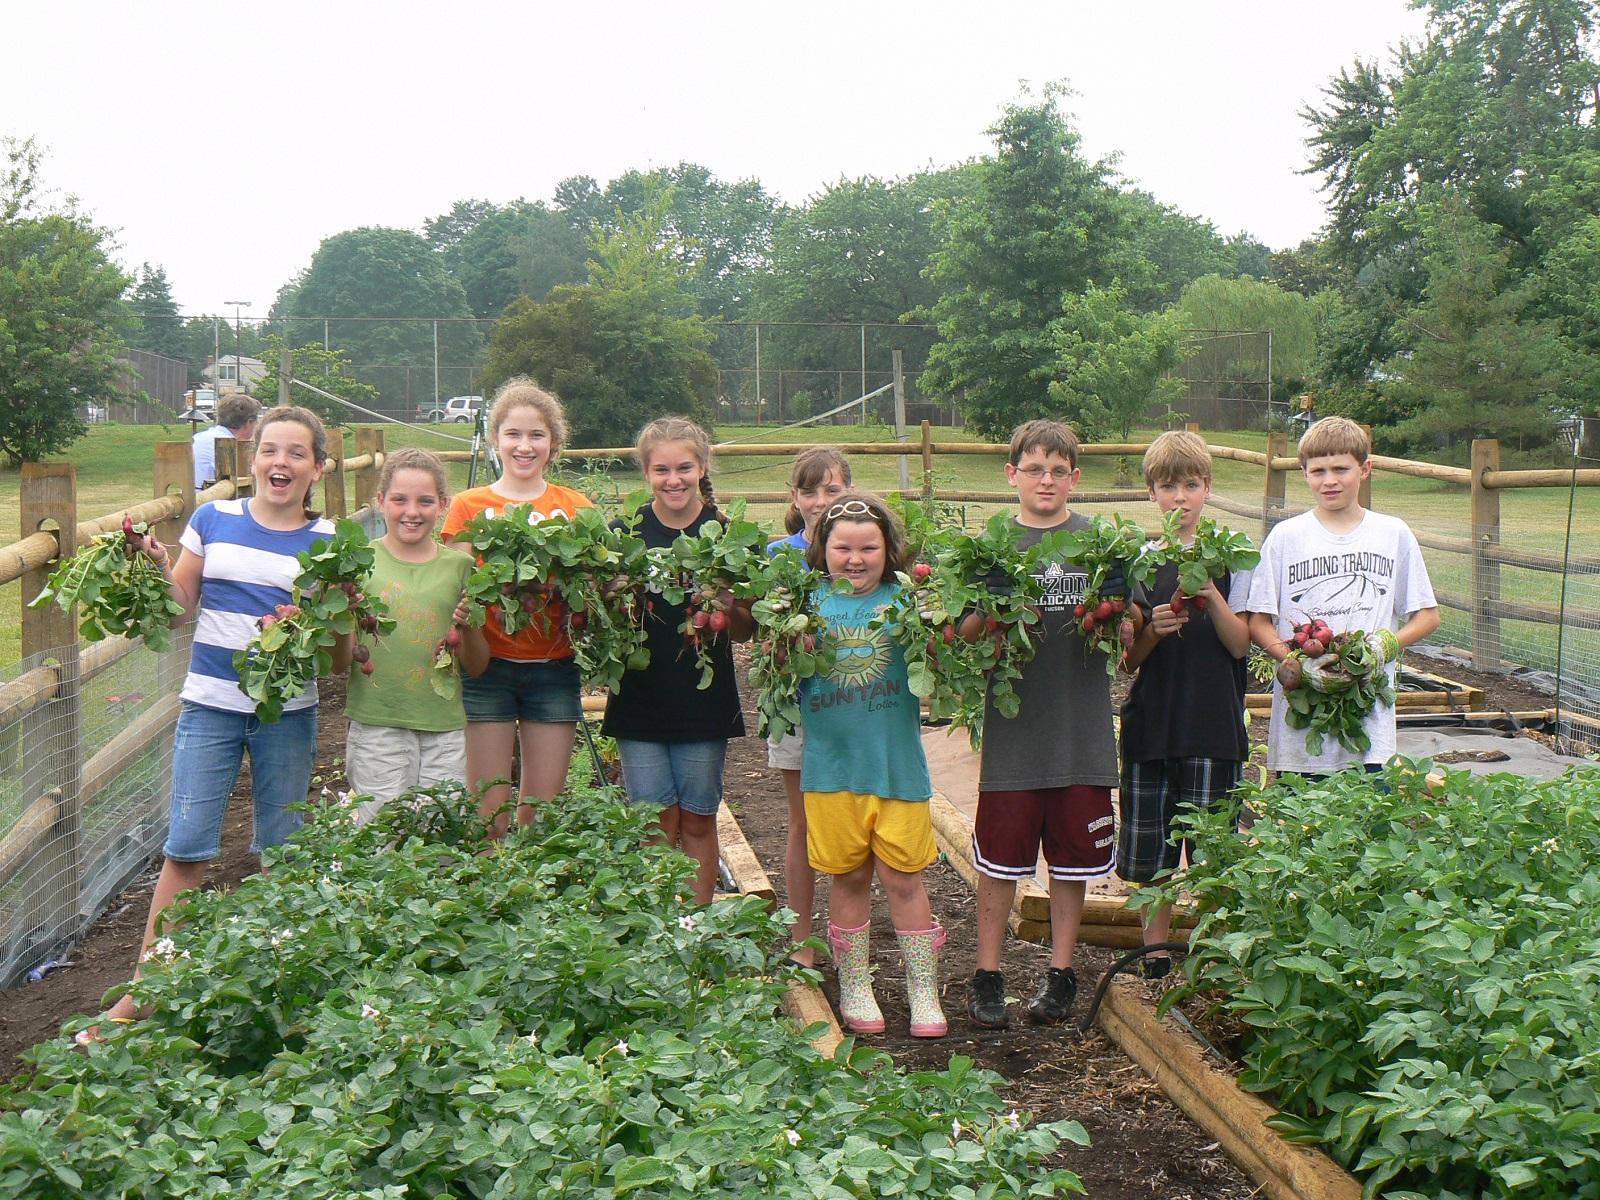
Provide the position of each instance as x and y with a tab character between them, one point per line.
225	141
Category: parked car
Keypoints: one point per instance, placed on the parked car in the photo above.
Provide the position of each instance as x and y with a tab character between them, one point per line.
458	409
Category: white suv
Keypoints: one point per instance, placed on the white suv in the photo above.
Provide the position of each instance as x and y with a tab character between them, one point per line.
459	409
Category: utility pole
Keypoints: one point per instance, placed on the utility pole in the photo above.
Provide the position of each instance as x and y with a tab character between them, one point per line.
238	339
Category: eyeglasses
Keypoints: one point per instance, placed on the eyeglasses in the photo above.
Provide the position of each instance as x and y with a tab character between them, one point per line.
1059	474
850	508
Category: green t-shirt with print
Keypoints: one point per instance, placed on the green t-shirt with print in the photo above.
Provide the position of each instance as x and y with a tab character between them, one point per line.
421	596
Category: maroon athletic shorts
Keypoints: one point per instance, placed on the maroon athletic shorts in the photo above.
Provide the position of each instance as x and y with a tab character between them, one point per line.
1073	824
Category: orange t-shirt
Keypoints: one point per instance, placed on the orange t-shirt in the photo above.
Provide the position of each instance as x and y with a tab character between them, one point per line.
533	642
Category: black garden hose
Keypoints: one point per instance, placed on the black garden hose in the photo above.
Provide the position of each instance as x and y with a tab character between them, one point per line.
1126	960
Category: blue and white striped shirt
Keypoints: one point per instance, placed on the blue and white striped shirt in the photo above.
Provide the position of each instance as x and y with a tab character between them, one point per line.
248	569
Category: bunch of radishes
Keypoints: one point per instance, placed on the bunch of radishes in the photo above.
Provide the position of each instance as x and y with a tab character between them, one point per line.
1212	553
117	588
293	644
720	565
1331	681
789	640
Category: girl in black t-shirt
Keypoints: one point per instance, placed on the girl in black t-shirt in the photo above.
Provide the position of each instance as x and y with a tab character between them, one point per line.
672	735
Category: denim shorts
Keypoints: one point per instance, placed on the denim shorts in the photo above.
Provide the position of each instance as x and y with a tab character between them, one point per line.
661	774
206	756
524	691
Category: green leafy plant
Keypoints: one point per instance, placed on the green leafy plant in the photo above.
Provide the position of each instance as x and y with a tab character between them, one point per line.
117	589
956	674
1416	969
293	644
790	639
388	1012
1214	553
708	571
1331	681
1107	623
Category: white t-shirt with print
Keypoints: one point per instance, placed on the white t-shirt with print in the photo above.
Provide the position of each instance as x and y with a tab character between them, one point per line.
1369	579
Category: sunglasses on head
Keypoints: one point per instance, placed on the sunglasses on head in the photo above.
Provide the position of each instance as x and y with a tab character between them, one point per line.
850	508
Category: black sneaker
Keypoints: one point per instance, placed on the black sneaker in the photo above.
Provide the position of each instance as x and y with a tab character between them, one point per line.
1053	1001
986	1000
1153	967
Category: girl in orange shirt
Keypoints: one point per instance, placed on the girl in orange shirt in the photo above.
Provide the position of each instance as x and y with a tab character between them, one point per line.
528	696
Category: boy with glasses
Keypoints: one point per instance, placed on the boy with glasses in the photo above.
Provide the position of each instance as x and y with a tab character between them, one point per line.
1046	775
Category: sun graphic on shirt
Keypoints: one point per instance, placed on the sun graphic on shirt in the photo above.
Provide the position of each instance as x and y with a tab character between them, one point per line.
860	655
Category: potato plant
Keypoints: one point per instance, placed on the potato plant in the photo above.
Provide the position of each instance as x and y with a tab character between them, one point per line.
390	1013
1418	972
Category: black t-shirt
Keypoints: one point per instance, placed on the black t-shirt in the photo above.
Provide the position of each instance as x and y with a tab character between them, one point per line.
663	703
1188	701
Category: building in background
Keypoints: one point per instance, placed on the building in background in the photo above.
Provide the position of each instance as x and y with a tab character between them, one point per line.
234	373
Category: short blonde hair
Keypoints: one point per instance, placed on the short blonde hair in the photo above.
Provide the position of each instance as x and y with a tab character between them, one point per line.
412	458
1335	435
520	391
1046	436
1175	456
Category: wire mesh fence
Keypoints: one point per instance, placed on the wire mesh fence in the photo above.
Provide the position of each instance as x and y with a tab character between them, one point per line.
1578	644
86	748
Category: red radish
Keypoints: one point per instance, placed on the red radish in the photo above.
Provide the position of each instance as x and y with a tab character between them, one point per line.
579	620
1314	648
1289	674
920	571
453	638
808	644
1103	610
766	647
1088	624
1199	602
701	618
366	668
266	620
360	653
1118	606
1078	610
991	624
718	622
949	634
1125	634
1178	603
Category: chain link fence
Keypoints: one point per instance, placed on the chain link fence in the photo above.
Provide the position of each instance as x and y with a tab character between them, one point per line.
86	747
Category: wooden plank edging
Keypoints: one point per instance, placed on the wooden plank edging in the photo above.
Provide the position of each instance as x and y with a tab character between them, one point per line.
743	864
1215	1102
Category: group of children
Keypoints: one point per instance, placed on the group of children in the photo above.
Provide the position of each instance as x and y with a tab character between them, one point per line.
855	774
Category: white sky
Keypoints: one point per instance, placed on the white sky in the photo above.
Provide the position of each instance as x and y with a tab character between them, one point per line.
225	141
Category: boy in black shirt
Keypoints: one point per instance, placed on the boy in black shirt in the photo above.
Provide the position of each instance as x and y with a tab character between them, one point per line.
1184	741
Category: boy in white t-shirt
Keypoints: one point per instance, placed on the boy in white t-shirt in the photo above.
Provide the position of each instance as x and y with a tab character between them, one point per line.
1355	569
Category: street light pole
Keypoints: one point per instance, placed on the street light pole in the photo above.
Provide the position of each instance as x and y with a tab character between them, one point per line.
238	371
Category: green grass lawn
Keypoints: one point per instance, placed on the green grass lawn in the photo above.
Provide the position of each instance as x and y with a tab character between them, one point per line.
113	469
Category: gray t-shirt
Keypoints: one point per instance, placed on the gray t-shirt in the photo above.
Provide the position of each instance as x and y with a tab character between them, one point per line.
1062	734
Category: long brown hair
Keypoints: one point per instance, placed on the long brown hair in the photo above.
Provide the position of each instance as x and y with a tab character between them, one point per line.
810	470
678	429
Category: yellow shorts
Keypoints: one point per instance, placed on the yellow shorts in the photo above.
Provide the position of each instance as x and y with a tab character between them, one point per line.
844	829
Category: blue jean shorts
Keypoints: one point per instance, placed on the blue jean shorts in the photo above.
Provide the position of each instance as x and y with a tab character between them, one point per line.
661	774
524	691
206	755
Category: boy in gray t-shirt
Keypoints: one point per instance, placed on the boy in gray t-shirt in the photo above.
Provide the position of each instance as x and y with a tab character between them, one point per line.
1046	774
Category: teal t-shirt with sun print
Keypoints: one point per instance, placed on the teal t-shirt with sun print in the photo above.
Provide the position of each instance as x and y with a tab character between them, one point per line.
863	726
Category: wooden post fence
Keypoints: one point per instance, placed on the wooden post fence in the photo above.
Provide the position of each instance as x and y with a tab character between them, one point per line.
1273	492
898	358
369	446
52	734
1485	565
333	494
927	461
174	476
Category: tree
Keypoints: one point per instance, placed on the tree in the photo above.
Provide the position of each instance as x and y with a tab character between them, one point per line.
327	370
61	312
1040	224
499	252
1472	364
620	350
1113	364
377	272
1171	249
1241	304
156	325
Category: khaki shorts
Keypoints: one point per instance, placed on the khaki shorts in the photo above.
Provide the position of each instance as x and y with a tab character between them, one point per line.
845	829
384	762
784	753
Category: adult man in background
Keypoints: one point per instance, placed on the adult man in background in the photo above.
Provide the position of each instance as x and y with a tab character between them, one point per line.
236	418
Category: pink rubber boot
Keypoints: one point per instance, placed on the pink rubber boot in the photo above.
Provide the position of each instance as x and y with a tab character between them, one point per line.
852	956
920	949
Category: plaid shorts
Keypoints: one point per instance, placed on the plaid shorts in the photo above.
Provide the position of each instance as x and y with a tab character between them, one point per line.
1152	796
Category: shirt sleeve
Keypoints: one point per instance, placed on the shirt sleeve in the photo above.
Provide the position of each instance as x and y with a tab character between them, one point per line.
1240	583
1416	589
455	518
193	537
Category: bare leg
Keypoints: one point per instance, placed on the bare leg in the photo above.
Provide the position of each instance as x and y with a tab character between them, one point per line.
799	880
995	897
489	757
697	835
546	754
175	877
908	899
669	828
1066	913
850	904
